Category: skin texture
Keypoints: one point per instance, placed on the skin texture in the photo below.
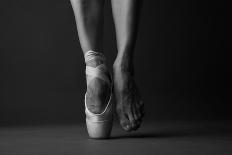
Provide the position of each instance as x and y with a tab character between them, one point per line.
130	108
89	19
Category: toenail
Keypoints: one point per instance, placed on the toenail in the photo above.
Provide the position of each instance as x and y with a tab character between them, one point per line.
127	127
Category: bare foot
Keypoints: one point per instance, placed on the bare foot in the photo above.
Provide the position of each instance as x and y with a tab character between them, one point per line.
129	107
98	91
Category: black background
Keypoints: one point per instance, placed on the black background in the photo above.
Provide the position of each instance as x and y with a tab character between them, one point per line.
179	61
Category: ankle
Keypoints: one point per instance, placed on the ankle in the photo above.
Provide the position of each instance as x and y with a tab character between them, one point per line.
94	63
94	59
123	66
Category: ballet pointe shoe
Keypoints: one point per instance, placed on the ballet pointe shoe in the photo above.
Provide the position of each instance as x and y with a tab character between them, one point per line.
99	126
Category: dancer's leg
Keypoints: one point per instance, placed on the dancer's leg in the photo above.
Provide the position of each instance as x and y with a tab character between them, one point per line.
129	105
89	21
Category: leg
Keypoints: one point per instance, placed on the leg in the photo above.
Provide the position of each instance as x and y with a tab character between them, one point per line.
89	20
129	106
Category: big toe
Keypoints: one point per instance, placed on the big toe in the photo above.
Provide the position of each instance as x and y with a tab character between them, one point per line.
134	123
125	123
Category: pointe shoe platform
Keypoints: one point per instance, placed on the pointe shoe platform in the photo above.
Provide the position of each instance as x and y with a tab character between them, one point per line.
99	126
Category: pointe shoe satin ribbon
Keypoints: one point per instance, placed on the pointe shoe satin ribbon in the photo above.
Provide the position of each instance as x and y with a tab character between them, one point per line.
98	125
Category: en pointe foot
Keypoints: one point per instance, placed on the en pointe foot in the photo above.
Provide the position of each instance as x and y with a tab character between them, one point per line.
129	107
98	105
98	89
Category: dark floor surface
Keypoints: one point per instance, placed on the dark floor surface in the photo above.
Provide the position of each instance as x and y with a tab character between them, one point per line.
174	138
